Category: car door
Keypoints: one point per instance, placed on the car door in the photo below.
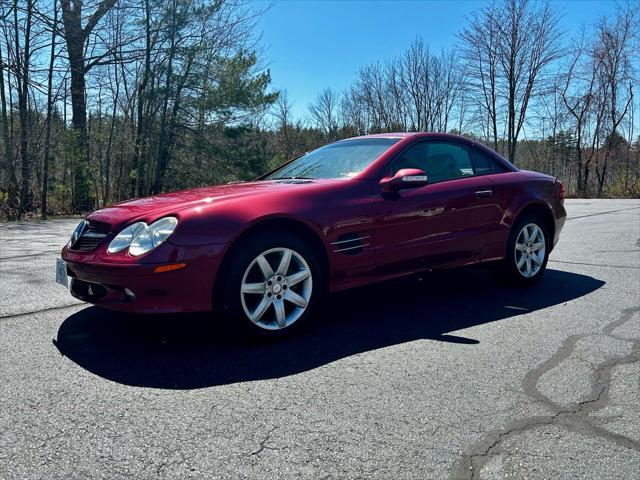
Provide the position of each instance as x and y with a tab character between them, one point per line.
505	186
448	221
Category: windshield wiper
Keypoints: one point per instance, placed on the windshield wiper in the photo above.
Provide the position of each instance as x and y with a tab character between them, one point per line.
293	178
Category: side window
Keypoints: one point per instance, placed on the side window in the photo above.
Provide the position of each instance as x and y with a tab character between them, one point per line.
414	157
440	160
484	164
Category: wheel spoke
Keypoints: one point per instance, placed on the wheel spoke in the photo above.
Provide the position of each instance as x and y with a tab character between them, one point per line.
266	269
284	263
538	235
520	262
520	247
528	267
525	233
294	298
537	246
538	258
298	277
257	288
260	310
280	314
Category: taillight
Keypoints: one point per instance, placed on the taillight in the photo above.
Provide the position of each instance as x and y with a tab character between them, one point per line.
561	192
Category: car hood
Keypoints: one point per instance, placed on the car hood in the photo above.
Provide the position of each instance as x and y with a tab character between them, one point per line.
149	208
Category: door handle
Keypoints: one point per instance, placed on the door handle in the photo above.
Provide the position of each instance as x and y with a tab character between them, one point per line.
484	193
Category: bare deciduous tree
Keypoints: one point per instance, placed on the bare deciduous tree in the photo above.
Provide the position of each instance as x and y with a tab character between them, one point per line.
615	50
77	36
324	112
480	51
47	142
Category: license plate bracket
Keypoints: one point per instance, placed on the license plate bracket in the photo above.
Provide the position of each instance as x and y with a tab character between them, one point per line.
61	273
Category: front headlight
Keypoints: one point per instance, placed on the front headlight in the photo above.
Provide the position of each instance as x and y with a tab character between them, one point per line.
152	236
124	238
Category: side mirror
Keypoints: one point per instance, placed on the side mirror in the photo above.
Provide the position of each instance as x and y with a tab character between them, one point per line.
405	178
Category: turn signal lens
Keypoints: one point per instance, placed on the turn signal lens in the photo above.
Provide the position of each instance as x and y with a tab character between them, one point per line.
169	268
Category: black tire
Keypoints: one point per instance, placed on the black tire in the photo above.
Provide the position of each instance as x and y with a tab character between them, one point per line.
508	269
242	256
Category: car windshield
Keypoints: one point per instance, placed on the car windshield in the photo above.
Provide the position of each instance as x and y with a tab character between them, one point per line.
343	159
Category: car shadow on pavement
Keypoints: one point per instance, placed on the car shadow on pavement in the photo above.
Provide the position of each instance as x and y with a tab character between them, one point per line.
198	350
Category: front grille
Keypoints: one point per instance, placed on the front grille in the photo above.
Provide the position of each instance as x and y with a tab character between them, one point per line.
87	243
93	236
97	227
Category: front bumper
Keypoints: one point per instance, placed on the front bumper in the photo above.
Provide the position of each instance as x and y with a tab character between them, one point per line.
134	287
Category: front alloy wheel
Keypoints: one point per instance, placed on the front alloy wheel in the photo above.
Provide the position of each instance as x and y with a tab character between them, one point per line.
276	288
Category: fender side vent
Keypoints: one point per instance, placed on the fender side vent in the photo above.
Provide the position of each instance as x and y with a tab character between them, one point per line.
350	244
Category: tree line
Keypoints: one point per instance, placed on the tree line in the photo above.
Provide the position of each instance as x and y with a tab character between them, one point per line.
104	100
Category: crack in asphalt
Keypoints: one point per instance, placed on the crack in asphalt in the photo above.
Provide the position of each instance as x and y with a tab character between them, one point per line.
602	213
48	309
27	255
176	462
616	251
596	264
575	418
263	443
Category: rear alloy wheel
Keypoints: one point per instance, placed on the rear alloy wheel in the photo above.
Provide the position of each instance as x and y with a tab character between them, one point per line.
530	250
276	288
527	251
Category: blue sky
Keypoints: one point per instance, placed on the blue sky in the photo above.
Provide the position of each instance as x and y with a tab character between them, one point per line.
313	44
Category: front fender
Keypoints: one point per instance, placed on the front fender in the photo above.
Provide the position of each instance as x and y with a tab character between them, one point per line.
222	226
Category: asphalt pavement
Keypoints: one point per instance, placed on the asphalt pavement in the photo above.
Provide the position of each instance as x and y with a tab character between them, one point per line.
451	375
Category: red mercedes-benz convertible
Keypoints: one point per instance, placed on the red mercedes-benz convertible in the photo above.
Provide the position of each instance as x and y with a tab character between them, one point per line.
350	213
